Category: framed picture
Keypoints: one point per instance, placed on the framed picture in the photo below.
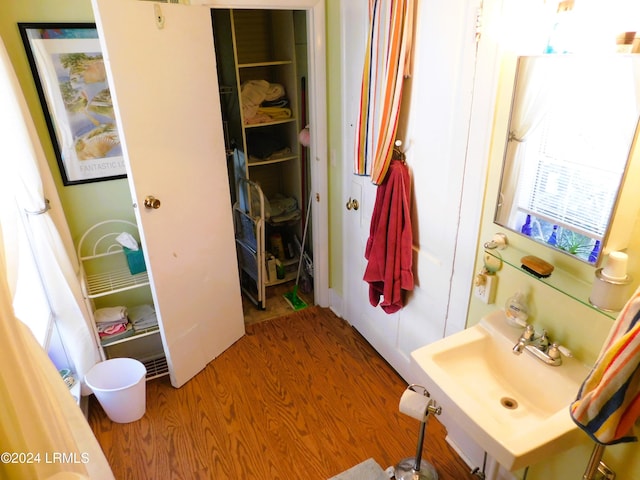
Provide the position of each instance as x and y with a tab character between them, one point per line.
70	76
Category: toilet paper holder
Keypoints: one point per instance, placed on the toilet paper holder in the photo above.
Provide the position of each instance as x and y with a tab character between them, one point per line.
417	403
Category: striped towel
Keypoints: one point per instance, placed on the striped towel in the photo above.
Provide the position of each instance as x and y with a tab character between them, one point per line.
608	402
387	62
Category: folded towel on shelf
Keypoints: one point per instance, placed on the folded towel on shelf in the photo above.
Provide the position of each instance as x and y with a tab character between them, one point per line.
263	102
608	403
268	114
106	330
285	217
142	317
137	327
279	204
280	102
110	314
252	94
257	118
125	332
275	91
280	208
141	312
275	113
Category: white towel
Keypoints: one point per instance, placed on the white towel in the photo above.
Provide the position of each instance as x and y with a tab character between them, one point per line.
110	314
141	312
252	94
274	92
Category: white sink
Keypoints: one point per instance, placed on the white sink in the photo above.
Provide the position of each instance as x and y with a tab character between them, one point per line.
514	406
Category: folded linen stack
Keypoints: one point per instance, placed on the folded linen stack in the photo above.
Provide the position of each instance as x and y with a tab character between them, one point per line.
112	323
281	209
263	102
142	317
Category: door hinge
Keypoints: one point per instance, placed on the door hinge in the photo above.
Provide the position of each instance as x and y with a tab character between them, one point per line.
478	25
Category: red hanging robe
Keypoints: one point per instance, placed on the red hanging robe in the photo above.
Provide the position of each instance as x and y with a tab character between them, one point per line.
389	248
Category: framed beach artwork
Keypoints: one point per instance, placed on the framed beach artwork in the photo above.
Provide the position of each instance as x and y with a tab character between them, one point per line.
70	76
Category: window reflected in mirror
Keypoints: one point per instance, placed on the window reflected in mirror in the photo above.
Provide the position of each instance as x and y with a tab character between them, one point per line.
572	123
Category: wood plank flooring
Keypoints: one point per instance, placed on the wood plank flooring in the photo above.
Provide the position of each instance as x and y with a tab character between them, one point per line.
277	306
303	396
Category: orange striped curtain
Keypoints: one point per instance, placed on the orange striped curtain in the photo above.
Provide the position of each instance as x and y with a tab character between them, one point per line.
387	62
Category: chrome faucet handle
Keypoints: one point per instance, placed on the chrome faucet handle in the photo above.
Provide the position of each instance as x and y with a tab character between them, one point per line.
556	351
543	341
528	333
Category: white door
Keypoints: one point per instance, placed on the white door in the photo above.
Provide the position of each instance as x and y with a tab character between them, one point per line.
435	127
161	64
379	328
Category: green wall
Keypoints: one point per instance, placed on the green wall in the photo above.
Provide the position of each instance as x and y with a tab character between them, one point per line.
90	203
578	327
84	204
335	161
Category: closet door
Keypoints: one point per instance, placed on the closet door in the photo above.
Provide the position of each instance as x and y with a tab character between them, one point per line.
161	64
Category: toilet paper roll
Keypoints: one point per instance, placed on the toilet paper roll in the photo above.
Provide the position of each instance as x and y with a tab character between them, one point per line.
414	404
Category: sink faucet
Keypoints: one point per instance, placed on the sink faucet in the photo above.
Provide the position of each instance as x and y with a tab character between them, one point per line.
525	339
540	347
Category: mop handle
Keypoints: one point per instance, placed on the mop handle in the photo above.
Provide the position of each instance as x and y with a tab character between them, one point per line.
304	236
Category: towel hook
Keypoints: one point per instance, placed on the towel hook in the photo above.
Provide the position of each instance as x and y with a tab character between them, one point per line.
398	153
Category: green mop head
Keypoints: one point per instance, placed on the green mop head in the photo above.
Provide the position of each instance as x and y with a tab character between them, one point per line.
294	300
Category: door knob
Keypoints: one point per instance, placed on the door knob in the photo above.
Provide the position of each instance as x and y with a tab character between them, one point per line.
151	202
352	203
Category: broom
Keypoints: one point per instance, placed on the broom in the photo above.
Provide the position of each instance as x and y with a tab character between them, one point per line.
292	297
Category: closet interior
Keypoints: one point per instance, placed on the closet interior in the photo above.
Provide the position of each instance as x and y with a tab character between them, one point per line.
261	59
116	289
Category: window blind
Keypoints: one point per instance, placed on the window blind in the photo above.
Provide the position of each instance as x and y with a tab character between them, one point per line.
574	188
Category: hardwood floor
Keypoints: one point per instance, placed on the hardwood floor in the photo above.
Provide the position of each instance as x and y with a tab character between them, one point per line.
301	396
277	306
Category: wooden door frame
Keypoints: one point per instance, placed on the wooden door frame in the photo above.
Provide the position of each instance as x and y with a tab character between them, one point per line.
317	97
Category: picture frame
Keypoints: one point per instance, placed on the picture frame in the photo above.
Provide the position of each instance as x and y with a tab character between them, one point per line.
70	77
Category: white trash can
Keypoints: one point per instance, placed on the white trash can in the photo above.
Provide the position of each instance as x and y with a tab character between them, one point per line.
119	384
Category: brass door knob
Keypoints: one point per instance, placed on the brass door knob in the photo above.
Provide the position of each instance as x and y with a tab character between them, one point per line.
151	202
352	203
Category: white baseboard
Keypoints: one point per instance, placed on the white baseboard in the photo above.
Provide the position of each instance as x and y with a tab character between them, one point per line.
336	303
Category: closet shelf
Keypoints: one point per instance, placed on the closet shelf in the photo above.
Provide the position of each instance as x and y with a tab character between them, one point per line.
268	124
287	278
271	161
261	46
105	271
139	334
265	64
114	281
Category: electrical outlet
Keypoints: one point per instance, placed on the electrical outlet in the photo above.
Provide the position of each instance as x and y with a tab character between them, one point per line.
484	287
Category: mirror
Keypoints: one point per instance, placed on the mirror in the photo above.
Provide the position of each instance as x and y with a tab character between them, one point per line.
572	123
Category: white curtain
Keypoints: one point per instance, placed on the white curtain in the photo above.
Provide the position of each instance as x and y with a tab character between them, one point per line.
39	418
20	179
531	100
